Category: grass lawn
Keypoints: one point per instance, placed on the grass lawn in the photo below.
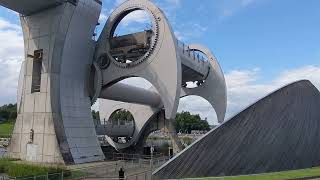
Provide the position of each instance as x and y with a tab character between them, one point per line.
6	129
14	168
303	173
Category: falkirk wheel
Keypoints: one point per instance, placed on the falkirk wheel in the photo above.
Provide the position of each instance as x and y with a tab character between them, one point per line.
65	71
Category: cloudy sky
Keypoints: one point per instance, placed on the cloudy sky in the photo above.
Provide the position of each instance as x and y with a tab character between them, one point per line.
260	44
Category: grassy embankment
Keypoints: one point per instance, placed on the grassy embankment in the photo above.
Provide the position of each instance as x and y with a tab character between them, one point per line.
17	169
6	129
296	174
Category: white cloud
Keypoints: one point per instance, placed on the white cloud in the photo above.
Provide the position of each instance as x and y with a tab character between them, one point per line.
11	55
180	36
138	82
118	2
230	7
174	2
200	27
190	31
138	16
311	73
170	9
245	87
245	3
103	17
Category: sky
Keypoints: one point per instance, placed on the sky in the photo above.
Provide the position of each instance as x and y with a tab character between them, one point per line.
261	45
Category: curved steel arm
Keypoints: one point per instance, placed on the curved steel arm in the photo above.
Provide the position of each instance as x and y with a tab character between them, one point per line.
214	88
161	66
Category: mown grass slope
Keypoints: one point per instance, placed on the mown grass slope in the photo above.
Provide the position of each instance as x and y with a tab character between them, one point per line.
296	174
6	129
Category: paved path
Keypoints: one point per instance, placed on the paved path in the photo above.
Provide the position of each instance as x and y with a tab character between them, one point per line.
100	170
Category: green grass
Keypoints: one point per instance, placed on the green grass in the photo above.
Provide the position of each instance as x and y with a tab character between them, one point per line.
6	129
77	174
186	139
303	173
14	169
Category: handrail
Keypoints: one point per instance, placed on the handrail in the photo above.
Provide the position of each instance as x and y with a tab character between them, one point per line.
197	56
106	169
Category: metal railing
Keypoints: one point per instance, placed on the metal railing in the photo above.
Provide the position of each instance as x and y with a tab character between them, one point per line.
125	156
104	171
3	153
195	55
146	175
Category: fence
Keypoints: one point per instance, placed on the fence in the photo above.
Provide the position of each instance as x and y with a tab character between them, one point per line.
136	169
196	55
2	153
146	175
124	156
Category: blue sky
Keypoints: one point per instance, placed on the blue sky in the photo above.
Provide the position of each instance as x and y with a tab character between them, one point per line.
249	33
260	44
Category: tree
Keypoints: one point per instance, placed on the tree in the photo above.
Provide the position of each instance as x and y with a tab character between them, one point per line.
122	115
186	122
8	112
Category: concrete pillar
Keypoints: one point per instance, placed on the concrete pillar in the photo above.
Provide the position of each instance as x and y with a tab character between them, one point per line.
171	130
53	100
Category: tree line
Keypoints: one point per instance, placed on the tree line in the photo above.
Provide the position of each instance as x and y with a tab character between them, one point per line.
185	121
8	112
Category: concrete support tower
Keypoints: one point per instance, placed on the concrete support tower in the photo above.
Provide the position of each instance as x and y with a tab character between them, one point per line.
54	123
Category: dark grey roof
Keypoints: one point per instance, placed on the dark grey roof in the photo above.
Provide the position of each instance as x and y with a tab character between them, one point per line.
279	132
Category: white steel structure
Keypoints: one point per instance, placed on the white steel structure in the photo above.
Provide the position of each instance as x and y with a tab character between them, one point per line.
66	70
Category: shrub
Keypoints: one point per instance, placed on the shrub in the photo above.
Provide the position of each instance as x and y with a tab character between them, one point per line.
187	140
14	169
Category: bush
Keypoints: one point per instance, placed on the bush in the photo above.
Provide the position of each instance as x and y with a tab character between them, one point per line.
186	122
187	140
4	164
8	112
14	169
164	148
